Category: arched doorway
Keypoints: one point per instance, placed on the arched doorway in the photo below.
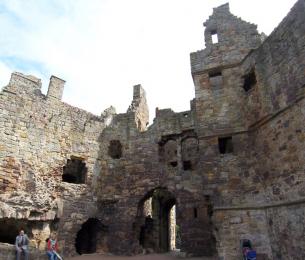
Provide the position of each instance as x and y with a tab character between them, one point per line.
88	236
157	220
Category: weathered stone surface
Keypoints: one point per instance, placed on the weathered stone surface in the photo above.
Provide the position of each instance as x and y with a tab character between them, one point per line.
232	166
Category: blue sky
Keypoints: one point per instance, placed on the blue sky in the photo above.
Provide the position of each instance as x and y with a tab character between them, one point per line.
104	47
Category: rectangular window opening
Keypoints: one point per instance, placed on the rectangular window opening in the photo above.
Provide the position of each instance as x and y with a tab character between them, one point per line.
215	78
225	145
173	164
214	74
249	80
195	213
187	165
214	37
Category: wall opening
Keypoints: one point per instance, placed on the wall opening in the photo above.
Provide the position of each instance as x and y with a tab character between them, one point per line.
249	80
88	236
156	221
115	149
189	153
225	145
75	171
174	164
214	36
187	165
9	229
36	230
216	79
168	153
195	213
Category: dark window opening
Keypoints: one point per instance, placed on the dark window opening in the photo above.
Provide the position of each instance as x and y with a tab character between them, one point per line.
195	213
215	74
215	78
187	165
214	36
115	149
249	80
75	171
225	145
173	164
209	205
89	235
207	198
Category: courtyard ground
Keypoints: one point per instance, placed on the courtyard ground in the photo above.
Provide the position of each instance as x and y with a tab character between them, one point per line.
138	257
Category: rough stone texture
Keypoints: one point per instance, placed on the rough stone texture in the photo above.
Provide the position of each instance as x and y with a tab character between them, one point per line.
232	166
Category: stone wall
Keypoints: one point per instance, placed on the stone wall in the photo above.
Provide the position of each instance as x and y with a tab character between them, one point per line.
38	135
8	252
266	166
151	160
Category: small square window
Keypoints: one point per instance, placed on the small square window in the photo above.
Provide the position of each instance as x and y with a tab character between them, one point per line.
173	164
187	165
214	37
215	79
225	145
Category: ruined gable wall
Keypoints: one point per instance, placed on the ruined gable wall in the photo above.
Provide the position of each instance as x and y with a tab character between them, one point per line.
38	135
215	72
235	39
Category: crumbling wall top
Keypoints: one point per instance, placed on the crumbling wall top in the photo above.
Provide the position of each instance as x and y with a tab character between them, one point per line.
20	83
228	39
139	107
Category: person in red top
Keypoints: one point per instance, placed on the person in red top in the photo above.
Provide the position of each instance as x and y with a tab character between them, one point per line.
52	247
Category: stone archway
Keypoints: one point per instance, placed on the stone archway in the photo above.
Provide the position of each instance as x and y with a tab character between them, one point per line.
156	220
88	236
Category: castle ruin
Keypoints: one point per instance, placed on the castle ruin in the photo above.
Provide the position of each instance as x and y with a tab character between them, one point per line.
230	168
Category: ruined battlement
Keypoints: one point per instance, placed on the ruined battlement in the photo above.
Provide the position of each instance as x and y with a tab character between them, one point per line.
20	83
56	88
139	107
228	39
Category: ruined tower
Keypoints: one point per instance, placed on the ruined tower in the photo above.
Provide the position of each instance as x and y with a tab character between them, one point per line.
216	70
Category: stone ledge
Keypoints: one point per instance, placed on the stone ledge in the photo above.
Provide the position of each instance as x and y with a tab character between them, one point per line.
258	207
8	252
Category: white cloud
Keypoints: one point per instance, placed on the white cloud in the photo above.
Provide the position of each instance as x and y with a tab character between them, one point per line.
5	73
103	48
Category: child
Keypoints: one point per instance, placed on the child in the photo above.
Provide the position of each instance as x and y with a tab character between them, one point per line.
52	247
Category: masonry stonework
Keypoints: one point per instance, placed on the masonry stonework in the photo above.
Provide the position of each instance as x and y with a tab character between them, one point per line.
230	168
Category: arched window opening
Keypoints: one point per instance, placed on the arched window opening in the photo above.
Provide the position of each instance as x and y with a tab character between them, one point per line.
156	221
